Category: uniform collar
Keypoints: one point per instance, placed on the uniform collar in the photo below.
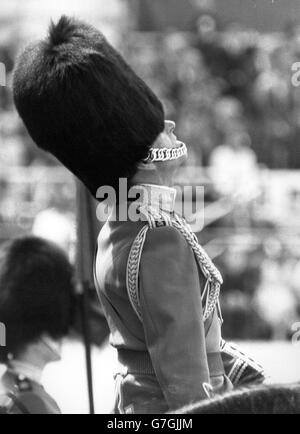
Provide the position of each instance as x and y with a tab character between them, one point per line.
157	196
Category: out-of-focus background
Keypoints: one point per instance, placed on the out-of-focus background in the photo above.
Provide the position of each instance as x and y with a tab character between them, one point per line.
224	72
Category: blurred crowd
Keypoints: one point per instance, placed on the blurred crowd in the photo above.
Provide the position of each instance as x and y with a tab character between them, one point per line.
31	182
226	87
230	91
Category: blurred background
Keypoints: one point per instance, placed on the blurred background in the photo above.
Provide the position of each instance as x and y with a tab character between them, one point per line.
224	72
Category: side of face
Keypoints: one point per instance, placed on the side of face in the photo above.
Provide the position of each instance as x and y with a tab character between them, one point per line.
162	172
168	139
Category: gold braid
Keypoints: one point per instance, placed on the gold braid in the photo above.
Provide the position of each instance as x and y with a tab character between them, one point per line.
133	265
208	268
211	273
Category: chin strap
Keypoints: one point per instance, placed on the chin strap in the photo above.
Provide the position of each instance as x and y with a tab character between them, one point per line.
166	154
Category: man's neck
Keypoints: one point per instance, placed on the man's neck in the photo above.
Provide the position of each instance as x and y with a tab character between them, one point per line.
156	196
152	178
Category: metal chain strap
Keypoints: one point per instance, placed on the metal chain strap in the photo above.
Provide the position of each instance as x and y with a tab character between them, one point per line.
166	154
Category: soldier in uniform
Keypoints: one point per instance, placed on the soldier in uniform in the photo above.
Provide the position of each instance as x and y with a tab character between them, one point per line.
160	291
36	303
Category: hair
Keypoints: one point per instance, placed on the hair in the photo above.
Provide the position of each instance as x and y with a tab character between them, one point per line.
278	399
36	293
82	102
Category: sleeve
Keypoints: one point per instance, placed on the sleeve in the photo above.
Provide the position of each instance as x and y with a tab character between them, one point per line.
171	305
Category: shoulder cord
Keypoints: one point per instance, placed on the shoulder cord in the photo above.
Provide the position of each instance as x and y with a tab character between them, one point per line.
132	273
211	273
212	288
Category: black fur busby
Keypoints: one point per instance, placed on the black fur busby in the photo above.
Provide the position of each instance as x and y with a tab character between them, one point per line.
83	103
36	292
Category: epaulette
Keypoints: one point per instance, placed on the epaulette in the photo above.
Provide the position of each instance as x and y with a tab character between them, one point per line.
23	384
5	403
12	400
155	218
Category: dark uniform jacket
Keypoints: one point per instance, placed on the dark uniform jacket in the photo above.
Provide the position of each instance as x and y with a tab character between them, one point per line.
168	356
20	395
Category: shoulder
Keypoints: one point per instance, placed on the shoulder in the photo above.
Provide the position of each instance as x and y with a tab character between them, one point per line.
166	234
167	242
23	396
5	403
37	401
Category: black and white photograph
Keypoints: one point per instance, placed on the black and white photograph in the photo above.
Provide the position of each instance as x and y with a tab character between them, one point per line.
149	209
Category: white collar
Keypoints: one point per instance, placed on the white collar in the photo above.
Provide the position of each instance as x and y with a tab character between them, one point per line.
157	196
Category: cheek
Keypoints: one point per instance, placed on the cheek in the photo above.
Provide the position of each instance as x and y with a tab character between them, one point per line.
167	142
163	141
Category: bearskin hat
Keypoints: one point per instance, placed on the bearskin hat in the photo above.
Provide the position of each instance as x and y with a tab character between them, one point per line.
37	292
83	103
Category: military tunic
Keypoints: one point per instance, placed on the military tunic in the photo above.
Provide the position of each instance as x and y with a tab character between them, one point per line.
21	395
169	355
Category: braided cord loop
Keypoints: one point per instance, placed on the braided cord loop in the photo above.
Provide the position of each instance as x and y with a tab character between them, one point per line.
132	273
210	271
211	293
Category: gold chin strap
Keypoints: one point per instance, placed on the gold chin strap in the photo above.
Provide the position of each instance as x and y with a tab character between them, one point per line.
166	154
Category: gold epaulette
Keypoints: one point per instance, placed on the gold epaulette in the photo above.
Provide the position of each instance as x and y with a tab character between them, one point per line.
155	218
